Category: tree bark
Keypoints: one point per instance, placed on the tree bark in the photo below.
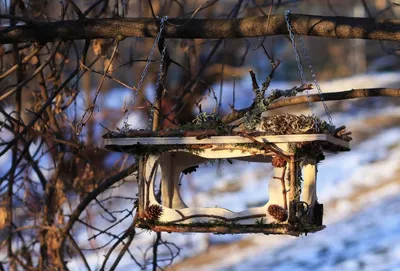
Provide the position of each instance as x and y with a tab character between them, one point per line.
335	96
307	25
332	96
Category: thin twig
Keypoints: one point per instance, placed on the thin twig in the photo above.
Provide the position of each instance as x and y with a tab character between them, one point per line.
81	16
89	111
29	78
23	61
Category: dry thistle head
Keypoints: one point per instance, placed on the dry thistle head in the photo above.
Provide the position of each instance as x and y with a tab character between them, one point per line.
278	161
278	212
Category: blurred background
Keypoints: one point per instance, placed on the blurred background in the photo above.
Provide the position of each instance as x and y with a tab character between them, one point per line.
63	147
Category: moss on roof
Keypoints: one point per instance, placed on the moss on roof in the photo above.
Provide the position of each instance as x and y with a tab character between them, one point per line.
206	125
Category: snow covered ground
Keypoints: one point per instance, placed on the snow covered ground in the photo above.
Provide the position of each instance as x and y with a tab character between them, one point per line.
367	240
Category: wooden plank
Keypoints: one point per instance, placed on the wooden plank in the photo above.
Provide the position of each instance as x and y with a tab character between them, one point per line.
269	229
338	141
129	141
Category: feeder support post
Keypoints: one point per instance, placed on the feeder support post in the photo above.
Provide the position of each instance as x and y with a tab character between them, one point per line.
309	169
293	189
293	177
141	184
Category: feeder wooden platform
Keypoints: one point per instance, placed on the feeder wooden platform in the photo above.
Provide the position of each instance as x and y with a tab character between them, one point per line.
131	141
283	229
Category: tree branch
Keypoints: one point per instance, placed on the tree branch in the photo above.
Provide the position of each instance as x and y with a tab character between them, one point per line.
333	96
307	25
336	96
92	195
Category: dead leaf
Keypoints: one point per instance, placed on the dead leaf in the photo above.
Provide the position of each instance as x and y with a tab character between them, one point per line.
2	50
108	64
3	217
58	104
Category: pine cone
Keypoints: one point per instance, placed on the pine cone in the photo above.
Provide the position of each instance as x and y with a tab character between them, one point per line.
153	212
278	212
278	161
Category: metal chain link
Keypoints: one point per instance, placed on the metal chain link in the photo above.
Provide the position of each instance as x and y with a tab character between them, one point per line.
144	72
300	67
291	35
307	57
159	77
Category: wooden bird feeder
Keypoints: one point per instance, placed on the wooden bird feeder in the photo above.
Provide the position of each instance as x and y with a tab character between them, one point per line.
292	206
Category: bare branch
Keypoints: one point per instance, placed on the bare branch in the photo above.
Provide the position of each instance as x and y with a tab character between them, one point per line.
92	195
29	78
274	64
333	96
254	79
23	61
81	16
90	110
307	25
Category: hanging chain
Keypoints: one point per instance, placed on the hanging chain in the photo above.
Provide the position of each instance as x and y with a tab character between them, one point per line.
159	78
307	57
144	72
291	35
300	67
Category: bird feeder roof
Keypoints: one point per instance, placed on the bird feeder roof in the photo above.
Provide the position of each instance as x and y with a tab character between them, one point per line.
276	129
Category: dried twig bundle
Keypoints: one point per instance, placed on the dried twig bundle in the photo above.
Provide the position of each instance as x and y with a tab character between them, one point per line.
287	124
